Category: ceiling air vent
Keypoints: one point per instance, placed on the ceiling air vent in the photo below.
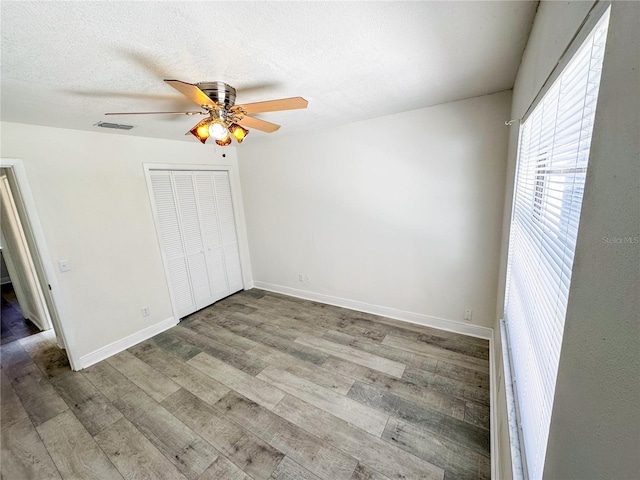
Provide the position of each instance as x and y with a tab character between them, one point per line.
117	126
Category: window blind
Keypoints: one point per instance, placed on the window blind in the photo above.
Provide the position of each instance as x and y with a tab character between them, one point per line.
552	162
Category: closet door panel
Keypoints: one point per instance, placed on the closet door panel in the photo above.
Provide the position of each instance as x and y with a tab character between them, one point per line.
172	242
225	207
212	237
192	237
218	273
232	264
208	211
181	286
228	231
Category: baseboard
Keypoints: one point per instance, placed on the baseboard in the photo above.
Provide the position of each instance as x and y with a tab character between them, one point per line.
126	342
402	315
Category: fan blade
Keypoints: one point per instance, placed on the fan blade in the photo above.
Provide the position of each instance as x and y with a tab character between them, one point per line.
156	113
191	91
251	122
292	103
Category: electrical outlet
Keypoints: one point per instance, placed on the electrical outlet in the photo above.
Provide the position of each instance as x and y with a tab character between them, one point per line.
307	279
301	277
145	311
468	314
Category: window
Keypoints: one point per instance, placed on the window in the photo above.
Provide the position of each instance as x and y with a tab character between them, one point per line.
552	163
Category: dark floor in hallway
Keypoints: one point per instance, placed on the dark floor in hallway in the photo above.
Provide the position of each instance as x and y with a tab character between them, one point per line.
13	324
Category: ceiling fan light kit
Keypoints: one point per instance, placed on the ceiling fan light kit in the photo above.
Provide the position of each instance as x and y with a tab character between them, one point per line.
226	119
238	132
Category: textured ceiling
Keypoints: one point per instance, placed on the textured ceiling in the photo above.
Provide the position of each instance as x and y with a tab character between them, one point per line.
65	64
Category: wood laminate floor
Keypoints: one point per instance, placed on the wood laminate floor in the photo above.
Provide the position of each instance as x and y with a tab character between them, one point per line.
258	386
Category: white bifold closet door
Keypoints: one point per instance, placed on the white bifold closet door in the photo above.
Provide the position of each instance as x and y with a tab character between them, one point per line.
194	211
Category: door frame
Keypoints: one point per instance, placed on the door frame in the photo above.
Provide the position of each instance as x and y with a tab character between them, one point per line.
238	216
49	284
25	265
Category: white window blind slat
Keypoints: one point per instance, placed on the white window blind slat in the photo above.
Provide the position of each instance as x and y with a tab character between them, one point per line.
552	161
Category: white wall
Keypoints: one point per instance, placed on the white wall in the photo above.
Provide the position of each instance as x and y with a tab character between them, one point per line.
91	196
402	211
595	425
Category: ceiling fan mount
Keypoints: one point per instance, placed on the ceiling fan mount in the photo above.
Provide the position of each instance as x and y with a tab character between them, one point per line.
226	119
222	94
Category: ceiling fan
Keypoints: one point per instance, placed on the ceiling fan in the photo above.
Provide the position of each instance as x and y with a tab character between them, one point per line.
225	118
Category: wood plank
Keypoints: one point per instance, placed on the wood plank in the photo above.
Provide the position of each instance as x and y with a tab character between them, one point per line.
368	419
46	353
13	355
222	468
318	318
478	415
369	449
253	293
309	451
221	318
462	374
175	346
74	452
424	362
456	460
363	472
213	348
328	317
157	385
287	346
446	386
92	408
111	383
11	409
254	388
409	330
257	458
190	454
309	371
451	344
133	455
5	334
276	324
38	397
222	335
469	436
290	470
441	353
19	326
375	362
280	317
23	453
231	304
419	394
188	377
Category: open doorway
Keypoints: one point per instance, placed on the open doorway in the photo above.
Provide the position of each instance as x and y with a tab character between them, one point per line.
29	313
28	297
